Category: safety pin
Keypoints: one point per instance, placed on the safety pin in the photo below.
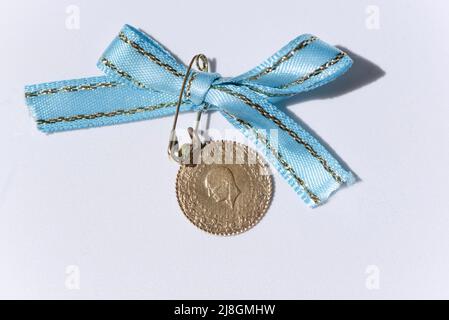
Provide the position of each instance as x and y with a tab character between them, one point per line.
174	152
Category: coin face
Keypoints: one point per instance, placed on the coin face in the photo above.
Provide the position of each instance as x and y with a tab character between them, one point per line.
228	191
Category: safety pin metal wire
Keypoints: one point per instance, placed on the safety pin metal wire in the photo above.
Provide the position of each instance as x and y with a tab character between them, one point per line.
173	144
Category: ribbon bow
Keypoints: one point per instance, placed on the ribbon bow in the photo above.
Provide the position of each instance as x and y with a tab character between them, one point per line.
142	81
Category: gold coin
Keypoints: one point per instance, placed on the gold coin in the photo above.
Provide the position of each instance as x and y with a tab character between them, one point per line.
228	192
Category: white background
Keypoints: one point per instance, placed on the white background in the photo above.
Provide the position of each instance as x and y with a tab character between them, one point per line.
103	199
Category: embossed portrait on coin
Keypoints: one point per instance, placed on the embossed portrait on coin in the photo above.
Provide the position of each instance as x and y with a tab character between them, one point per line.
220	185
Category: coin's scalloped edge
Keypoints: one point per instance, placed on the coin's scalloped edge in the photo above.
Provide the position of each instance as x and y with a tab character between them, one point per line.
264	210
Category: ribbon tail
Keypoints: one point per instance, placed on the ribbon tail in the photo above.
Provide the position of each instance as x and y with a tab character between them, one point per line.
306	165
142	81
93	102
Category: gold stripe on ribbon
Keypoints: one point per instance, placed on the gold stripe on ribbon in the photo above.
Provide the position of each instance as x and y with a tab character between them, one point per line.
81	87
277	155
150	56
284	127
120	112
284	58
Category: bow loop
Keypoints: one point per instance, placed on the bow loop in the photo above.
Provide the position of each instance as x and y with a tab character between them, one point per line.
303	64
138	60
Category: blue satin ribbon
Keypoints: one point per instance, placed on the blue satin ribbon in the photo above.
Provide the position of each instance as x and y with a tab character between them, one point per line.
142	81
